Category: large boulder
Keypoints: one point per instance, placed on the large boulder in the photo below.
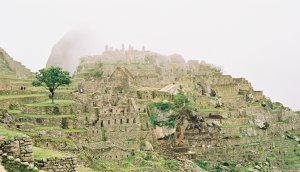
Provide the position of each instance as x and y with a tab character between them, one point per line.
259	123
164	131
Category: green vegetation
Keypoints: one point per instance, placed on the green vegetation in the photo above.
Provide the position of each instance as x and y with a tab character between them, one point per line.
180	100
40	153
103	134
201	164
44	116
96	72
266	125
23	169
173	165
170	123
277	106
85	169
163	106
141	161
69	144
38	128
6	97
13	111
9	133
74	130
49	128
52	78
49	103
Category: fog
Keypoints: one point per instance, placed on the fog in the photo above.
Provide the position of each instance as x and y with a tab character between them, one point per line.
258	40
75	44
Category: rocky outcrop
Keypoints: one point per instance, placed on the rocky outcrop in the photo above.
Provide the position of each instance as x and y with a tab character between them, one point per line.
162	132
187	121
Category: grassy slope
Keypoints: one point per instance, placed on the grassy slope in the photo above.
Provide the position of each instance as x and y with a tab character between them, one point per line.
5	97
40	153
49	104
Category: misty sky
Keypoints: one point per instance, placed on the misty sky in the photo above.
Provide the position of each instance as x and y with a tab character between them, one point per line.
257	39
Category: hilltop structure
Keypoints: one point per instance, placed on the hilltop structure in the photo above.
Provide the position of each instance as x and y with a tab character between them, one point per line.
143	111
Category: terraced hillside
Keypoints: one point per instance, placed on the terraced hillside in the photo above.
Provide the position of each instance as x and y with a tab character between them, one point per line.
12	68
13	74
131	110
239	128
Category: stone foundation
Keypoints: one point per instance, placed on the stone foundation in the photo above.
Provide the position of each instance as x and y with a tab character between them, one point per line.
17	155
67	164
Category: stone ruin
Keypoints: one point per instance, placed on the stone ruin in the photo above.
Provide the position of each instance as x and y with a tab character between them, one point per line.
17	155
110	118
131	79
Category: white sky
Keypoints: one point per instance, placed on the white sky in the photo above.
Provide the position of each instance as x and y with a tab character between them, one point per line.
257	39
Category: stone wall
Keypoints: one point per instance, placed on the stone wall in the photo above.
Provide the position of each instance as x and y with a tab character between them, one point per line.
15	164
47	110
66	164
149	95
63	95
17	155
258	95
5	84
226	90
19	147
56	120
4	104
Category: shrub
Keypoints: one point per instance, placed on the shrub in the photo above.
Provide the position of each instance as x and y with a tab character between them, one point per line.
163	106
180	100
148	157
13	106
266	125
201	164
153	120
98	74
276	106
169	123
173	165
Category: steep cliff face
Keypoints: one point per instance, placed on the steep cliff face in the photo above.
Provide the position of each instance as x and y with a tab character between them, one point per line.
67	52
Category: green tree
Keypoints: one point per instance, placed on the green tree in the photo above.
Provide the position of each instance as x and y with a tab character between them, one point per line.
51	78
180	100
